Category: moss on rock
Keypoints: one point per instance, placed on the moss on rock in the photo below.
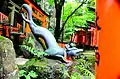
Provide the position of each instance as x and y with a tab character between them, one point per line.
45	68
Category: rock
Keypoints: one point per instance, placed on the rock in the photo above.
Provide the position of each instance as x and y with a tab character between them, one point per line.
21	61
46	68
7	59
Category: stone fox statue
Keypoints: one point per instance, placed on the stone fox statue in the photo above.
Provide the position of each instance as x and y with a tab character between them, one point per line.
53	48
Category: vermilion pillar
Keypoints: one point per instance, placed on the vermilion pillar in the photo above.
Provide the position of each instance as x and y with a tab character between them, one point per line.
108	12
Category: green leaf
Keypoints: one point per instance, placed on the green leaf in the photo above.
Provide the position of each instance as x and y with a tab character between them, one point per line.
1	37
27	77
22	73
75	75
51	2
32	74
30	62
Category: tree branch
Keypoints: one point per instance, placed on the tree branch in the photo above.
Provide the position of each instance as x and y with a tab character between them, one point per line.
71	15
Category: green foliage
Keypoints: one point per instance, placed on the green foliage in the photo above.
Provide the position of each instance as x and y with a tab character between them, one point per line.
83	68
29	69
75	75
1	37
33	46
85	72
42	70
29	41
91	3
45	69
27	75
51	2
79	18
33	51
23	73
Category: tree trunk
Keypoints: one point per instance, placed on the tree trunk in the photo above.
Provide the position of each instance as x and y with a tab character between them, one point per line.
58	7
57	29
